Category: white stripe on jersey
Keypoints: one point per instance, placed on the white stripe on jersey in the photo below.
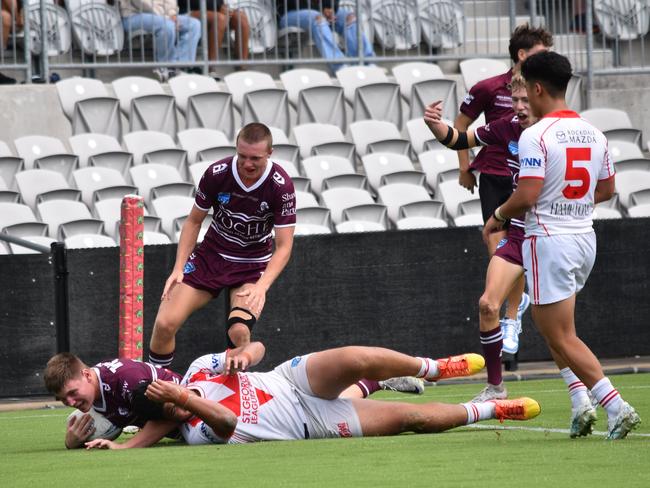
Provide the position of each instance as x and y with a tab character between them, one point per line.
237	259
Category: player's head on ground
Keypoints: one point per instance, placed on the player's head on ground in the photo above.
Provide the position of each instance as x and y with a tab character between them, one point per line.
526	41
71	381
254	146
520	104
547	76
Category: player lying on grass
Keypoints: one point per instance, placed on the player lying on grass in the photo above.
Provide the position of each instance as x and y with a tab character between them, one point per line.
300	399
506	265
106	390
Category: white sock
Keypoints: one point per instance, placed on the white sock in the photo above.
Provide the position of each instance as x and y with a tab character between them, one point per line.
479	411
428	368
577	389
607	396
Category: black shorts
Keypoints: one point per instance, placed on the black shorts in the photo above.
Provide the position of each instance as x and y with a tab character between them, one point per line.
493	190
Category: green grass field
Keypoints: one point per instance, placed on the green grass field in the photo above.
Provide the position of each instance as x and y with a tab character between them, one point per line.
536	453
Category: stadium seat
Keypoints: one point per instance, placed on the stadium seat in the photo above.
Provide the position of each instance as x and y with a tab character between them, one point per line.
7	195
602	213
66	218
628	182
322	139
89	107
263	24
622	20
155	147
37	185
204	141
197	169
305	199
371	94
640	164
288	166
315	98
58	28
313	220
99	183
96	27
203	103
378	136
395	195
468	220
157	180
259	99
169	209
101	150
146	105
437	161
442	23
478	69
469	214
42	240
86	241
451	193
639	204
421	83
364	218
378	165
19	220
44	152
339	199
396	24
9	165
614	123
325	168
622	150
421	214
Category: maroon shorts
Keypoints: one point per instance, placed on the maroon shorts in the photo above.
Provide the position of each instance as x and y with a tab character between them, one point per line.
212	273
509	248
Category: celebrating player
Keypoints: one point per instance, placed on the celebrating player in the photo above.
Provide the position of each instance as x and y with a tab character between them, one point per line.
565	170
506	267
251	197
492	98
300	400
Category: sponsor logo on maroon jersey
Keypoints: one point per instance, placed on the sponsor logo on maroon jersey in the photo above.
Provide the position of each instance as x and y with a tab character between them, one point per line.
278	178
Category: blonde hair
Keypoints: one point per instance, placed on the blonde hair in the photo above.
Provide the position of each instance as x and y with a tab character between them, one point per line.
518	82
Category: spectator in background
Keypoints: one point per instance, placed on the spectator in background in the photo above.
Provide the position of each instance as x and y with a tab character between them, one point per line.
315	17
176	37
12	15
219	16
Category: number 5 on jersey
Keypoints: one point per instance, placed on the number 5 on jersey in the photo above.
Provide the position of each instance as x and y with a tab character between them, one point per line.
577	173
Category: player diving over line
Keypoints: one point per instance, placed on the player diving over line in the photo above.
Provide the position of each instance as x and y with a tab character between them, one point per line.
300	399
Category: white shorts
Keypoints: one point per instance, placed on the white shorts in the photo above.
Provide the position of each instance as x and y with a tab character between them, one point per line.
558	266
324	418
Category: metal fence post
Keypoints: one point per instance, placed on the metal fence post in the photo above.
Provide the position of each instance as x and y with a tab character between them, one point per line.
532	7
44	48
512	12
61	299
589	27
204	37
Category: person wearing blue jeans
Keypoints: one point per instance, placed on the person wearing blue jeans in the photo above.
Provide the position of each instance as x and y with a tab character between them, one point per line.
176	37
307	15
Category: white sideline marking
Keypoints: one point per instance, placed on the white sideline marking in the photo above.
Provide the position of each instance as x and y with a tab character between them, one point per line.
541	429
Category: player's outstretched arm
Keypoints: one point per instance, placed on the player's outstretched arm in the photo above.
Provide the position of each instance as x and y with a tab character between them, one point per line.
242	358
152	432
449	136
221	420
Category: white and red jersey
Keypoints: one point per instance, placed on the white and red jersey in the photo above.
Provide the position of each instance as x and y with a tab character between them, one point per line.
245	216
265	404
571	156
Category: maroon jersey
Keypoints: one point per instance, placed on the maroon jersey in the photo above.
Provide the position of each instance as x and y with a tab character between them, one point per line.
493	98
504	133
245	216
117	381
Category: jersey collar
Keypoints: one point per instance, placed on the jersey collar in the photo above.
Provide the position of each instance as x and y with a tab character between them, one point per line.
562	114
258	183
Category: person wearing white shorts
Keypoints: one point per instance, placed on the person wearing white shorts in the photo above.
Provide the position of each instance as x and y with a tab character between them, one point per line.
565	170
558	266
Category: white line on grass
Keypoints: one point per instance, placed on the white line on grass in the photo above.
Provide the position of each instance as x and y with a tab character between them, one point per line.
541	429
